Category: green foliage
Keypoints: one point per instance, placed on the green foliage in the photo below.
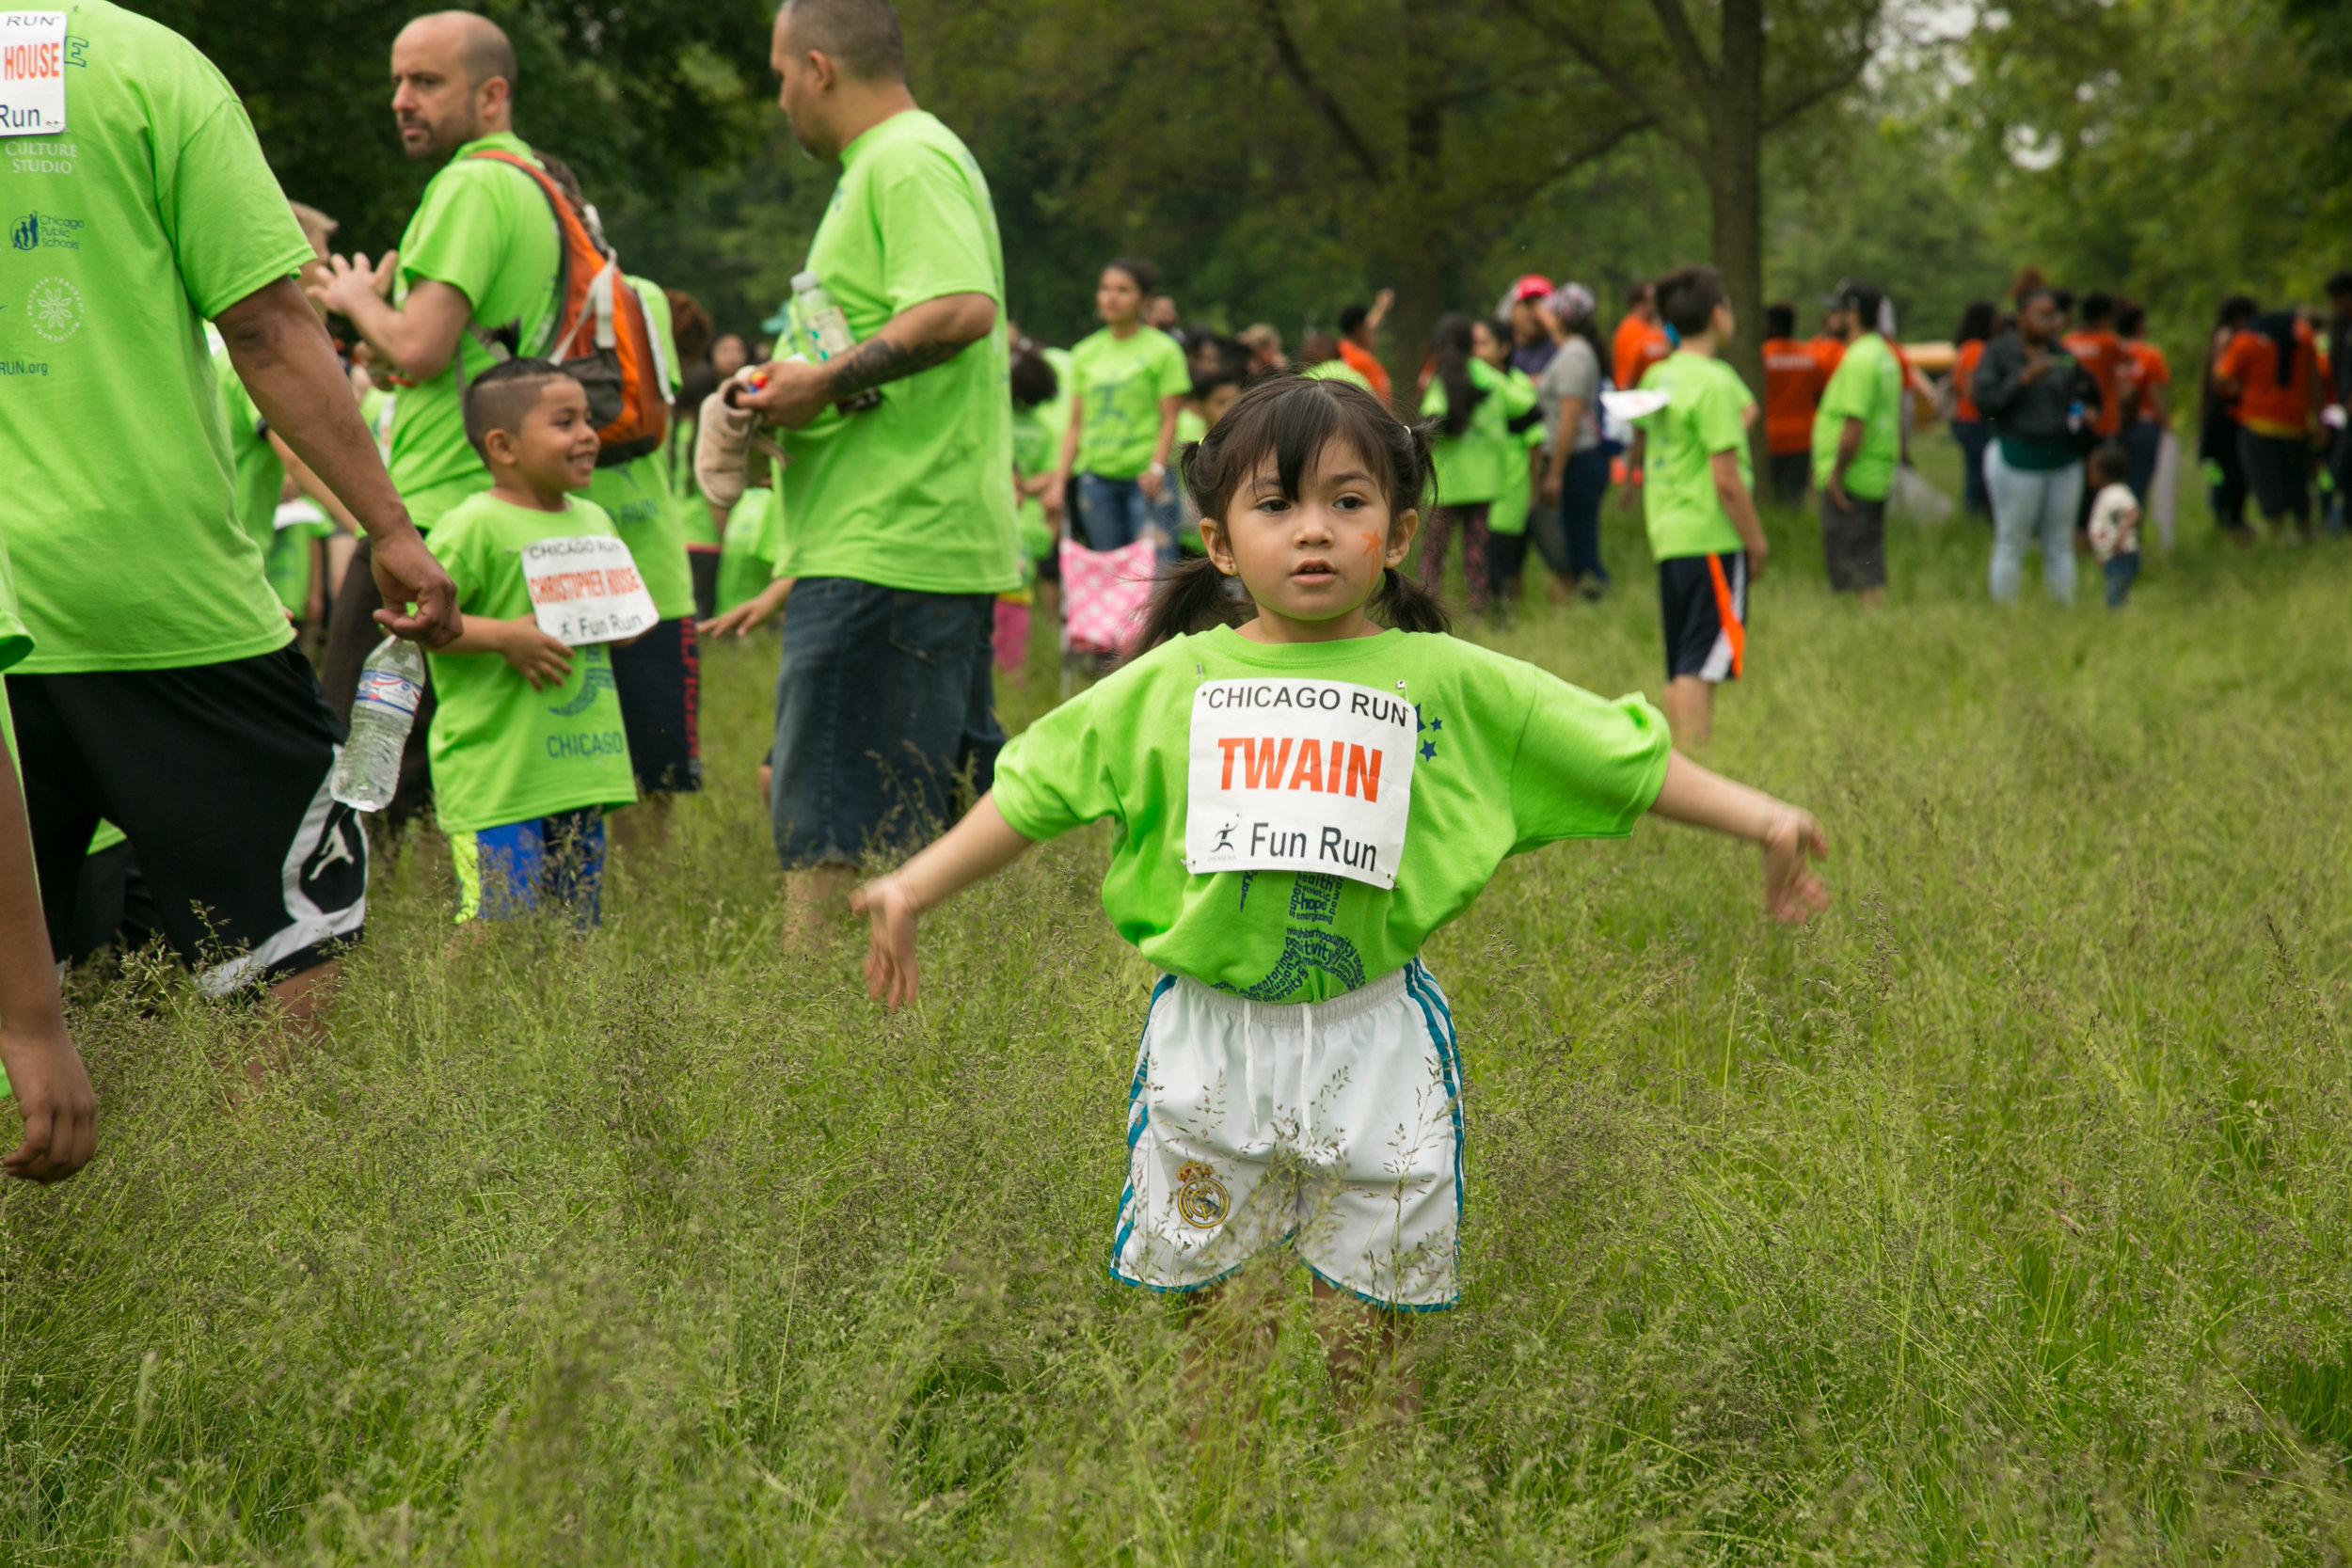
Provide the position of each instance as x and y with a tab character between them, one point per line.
1999	1217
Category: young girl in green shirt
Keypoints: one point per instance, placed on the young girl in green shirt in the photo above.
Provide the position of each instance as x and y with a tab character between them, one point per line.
1298	802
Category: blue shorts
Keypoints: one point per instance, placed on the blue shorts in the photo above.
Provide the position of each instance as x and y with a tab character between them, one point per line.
553	863
885	698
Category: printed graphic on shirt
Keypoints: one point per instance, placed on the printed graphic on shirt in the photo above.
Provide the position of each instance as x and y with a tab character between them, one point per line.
1300	775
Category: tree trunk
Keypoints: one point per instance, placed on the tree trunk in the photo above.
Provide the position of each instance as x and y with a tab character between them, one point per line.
1735	186
1421	271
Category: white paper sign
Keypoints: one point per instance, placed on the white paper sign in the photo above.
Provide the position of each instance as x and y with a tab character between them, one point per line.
1300	775
586	589
1631	404
32	72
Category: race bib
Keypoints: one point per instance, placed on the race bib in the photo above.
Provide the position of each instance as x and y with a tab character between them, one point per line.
1300	775
32	72
586	589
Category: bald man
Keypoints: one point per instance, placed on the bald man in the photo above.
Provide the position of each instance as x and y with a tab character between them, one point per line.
482	248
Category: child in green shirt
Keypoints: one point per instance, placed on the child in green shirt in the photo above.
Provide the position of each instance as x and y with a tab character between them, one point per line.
528	753
1290	829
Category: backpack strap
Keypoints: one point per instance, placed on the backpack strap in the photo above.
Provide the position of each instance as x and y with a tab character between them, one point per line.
567	220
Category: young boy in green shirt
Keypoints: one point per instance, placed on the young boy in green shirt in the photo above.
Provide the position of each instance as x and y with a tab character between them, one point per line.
528	753
1699	502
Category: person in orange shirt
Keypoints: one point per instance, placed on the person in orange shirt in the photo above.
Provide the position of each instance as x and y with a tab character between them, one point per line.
1641	343
2098	350
1359	341
1792	389
2272	368
1979	322
2150	413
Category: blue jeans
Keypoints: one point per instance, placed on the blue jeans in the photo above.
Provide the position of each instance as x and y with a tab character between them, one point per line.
2030	504
1569	538
2121	570
1974	435
1116	511
883	699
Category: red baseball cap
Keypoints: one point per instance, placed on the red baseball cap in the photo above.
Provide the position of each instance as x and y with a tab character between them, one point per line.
1534	286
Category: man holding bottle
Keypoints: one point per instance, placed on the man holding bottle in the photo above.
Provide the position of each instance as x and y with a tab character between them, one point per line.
898	516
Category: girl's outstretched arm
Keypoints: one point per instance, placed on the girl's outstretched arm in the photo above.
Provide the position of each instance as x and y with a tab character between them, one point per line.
980	846
1790	838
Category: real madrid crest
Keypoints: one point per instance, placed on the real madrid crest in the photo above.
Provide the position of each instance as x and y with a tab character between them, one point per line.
1201	1199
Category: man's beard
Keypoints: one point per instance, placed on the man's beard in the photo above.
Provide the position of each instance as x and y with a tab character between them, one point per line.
440	141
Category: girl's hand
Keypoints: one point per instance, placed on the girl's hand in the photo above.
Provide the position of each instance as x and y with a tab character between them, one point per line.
544	661
892	975
1791	892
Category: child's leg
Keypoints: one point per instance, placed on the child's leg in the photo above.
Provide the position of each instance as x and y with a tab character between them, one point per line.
1434	535
1474	539
498	870
2121	571
1690	707
1360	1350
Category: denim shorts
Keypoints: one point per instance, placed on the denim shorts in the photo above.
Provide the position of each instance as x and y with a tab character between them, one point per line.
883	702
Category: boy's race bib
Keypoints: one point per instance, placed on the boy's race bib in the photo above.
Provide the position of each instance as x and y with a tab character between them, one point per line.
586	589
32	72
1300	775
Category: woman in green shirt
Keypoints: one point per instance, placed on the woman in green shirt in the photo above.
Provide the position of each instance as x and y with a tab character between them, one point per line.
1128	382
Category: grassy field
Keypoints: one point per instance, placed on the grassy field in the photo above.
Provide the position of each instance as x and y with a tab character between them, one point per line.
2004	1215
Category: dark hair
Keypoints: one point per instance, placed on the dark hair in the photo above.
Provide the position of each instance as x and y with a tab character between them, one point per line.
1208	378
1451	349
1034	380
1352	317
2109	462
1288	420
2130	316
690	325
2339	283
2032	292
862	35
2237	311
1866	301
1318	346
1686	298
1976	323
501	397
1146	276
1780	320
2098	306
2063	299
700	380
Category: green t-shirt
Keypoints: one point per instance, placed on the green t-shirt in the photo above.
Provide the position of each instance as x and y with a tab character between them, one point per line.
1868	385
1036	448
294	526
1118	383
500	752
485	230
1476	465
1516	497
753	545
916	494
261	472
1702	416
1510	758
152	214
1338	370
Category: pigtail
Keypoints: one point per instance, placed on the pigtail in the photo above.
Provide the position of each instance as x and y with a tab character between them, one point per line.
1190	597
1406	605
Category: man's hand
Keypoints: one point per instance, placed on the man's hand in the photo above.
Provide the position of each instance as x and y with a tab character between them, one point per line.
1552	489
350	284
1791	890
795	394
892	975
1153	482
406	572
1836	490
544	661
53	1096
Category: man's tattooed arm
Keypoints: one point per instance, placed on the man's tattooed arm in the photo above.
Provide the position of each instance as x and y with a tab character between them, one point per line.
916	339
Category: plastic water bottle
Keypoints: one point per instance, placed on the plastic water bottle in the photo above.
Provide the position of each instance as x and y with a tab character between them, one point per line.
825	333
391	683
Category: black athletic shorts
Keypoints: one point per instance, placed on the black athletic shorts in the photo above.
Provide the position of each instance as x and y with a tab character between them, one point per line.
2279	472
659	679
703	562
219	774
1854	543
1703	601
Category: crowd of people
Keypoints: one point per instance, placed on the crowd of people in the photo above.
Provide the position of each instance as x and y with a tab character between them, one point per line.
907	480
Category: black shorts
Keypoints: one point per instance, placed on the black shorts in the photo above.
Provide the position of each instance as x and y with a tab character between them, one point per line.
659	679
2279	472
1854	543
1703	601
219	774
703	562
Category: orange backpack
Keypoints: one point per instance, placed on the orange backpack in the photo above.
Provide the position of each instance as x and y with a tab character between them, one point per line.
602	336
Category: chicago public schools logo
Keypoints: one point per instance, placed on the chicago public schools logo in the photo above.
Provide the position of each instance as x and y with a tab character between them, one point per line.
46	232
55	306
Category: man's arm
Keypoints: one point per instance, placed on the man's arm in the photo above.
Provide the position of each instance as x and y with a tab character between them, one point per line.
310	484
282	354
419	336
1849	448
916	339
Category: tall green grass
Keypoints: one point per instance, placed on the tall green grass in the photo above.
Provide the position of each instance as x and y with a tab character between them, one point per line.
2003	1215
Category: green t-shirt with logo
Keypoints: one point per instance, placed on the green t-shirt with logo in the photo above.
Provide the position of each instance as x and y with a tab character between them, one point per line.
1510	758
485	229
916	493
1476	465
1702	416
1868	385
500	752
261	472
294	525
1119	384
151	214
753	545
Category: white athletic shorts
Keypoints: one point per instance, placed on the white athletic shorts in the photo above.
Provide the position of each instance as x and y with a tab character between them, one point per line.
1335	1126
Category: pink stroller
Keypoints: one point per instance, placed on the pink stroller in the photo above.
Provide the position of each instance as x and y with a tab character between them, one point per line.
1103	596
